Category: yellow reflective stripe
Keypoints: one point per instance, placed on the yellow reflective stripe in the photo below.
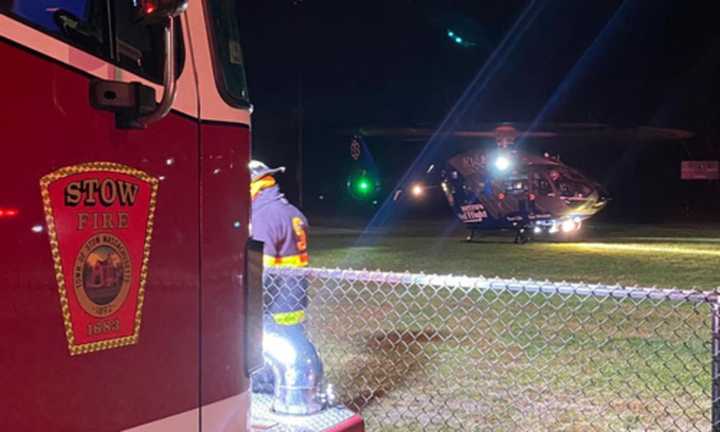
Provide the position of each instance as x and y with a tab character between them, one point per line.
289	318
268	260
300	260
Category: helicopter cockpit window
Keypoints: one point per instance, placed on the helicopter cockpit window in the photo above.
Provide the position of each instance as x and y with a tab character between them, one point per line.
568	184
516	184
541	185
544	188
572	189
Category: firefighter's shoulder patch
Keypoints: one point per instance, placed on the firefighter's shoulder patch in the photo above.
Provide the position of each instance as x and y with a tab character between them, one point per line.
99	217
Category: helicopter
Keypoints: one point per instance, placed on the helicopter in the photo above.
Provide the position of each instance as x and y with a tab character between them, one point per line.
508	189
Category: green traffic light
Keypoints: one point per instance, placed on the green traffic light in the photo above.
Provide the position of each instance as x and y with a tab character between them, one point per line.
458	39
362	186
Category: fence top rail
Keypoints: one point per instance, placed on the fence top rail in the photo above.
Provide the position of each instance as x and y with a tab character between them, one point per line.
468	283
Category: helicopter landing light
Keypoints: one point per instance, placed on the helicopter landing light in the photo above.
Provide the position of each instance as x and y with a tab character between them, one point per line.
568	226
554	228
502	163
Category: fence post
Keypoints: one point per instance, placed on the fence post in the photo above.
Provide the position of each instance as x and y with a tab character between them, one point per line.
715	305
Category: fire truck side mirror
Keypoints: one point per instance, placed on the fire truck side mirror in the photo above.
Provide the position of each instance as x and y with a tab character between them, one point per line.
163	11
129	101
134	103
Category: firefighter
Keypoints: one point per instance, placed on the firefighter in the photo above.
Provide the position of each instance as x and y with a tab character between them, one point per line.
283	230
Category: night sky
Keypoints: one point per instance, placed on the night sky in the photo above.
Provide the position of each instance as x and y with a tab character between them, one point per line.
320	70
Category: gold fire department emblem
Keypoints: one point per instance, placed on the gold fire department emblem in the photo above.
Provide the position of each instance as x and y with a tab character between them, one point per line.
100	218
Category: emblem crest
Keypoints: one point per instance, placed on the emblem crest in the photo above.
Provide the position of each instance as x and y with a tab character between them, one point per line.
100	217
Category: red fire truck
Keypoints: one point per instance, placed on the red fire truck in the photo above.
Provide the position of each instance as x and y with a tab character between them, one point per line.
127	297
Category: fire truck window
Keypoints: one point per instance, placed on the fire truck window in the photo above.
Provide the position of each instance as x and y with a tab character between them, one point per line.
228	56
140	47
82	23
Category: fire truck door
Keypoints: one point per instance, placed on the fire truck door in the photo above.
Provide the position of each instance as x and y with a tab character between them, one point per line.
51	51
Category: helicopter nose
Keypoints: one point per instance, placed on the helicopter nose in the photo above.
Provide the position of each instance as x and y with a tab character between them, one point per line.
602	199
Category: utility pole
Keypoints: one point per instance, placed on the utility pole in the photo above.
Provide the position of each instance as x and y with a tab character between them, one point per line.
300	140
296	4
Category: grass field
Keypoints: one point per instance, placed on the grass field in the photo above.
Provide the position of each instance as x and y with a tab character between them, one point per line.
663	256
420	358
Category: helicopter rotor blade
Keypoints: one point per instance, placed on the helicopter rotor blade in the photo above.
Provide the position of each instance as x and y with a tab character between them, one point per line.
524	131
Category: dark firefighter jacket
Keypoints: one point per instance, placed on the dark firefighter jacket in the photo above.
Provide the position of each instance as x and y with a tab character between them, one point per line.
283	230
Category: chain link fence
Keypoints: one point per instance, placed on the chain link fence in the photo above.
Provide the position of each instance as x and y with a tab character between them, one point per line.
414	352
